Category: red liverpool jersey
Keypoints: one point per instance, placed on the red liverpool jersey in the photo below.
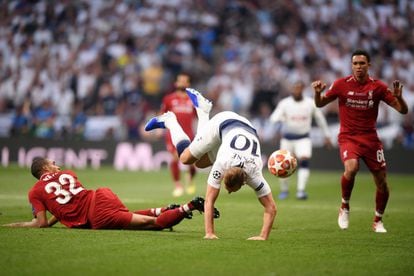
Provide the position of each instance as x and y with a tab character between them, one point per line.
181	105
63	196
358	103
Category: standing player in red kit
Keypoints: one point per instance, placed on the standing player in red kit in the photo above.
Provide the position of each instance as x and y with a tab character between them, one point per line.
180	104
358	97
61	194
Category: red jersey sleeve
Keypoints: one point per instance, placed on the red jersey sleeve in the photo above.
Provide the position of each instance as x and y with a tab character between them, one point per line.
387	95
36	202
334	90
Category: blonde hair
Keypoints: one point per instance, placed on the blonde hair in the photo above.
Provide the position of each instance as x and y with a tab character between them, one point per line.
234	178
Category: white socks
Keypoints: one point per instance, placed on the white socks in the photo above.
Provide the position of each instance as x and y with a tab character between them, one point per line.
303	176
177	132
203	118
284	185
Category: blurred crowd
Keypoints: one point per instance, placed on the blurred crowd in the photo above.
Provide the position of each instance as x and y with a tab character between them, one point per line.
63	62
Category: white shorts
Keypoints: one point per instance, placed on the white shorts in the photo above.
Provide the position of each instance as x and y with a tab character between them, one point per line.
209	140
301	148
231	141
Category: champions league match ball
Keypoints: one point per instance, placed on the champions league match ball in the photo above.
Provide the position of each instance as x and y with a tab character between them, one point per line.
282	163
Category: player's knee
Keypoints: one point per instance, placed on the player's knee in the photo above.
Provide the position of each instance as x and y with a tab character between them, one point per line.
350	174
185	158
351	168
182	147
304	163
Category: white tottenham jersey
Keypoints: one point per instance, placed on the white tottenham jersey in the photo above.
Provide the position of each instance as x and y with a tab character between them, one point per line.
296	116
231	141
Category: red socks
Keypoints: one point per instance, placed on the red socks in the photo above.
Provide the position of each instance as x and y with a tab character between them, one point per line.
153	212
175	170
381	199
346	187
192	171
170	218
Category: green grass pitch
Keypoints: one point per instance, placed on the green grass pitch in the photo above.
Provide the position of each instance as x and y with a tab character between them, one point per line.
305	240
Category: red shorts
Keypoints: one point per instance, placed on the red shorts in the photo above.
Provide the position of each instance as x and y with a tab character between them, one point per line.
107	211
169	144
367	147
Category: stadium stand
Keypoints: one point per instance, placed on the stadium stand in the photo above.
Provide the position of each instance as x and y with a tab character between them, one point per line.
63	63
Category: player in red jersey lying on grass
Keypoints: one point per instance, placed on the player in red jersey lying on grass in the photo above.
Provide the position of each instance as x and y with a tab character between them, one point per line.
61	194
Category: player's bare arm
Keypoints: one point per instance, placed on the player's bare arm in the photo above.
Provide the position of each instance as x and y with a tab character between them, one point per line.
320	100
32	223
52	221
399	104
40	221
268	217
211	197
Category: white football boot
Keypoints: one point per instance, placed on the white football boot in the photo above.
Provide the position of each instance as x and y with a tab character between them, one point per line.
378	227
343	218
199	101
159	121
178	191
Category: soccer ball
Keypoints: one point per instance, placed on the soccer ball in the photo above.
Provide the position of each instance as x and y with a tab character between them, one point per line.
282	163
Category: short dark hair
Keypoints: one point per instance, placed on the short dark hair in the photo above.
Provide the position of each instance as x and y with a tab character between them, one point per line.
184	73
361	52
38	164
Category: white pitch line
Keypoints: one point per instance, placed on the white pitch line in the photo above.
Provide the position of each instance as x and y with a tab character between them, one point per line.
15	197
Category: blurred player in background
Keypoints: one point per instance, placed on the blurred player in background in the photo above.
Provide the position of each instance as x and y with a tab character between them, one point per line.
294	114
61	194
358	98
179	103
230	144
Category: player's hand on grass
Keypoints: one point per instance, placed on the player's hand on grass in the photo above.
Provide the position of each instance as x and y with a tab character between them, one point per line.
210	237
32	223
256	238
